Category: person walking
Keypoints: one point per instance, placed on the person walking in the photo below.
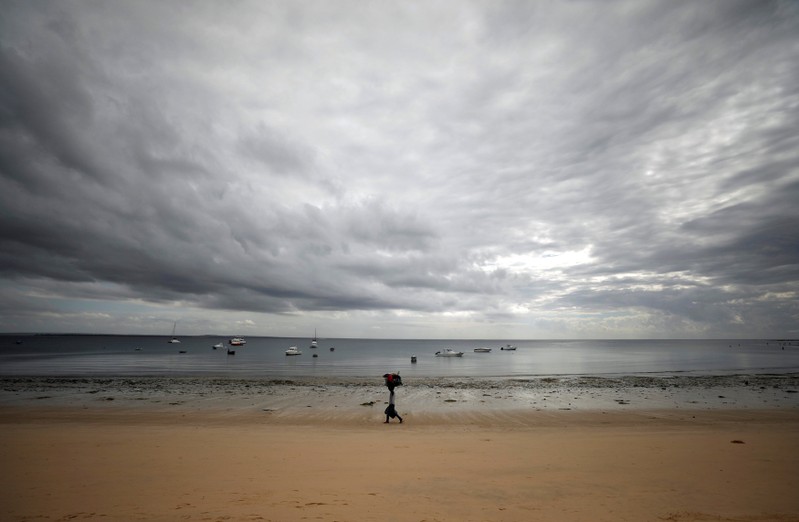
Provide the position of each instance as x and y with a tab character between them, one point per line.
392	380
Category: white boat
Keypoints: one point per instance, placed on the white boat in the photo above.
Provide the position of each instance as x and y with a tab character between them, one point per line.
293	351
237	341
217	346
508	347
482	350
449	353
314	344
174	339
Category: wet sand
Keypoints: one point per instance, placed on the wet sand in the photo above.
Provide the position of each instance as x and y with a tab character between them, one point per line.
140	449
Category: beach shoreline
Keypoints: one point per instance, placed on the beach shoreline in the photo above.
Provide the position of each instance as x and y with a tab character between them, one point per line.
632	448
328	398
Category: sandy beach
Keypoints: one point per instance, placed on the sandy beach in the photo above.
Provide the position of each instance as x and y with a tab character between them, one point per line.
720	449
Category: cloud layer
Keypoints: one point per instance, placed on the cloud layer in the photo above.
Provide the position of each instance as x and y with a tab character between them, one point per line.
445	169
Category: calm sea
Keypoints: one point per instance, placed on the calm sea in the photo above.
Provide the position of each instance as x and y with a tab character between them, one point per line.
100	355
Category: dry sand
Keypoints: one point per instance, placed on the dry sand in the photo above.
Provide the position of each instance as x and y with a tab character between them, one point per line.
274	457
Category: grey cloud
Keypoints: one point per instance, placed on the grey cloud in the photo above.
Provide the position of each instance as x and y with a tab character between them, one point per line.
309	159
275	151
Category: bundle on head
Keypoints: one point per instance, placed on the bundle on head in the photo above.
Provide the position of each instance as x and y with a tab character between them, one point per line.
392	380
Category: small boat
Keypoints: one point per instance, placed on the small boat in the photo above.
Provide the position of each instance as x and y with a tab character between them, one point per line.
314	344
508	347
174	339
138	349
217	346
482	350
449	353
293	350
413	358
231	352
237	341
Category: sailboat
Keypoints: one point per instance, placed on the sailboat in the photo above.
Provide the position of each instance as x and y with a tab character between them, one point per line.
174	339
314	344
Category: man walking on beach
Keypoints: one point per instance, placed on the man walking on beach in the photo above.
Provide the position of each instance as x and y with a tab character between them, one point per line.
391	382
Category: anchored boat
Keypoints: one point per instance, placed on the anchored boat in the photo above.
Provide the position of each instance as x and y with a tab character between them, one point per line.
174	340
449	353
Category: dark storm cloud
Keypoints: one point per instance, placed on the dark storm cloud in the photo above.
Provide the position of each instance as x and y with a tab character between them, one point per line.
625	168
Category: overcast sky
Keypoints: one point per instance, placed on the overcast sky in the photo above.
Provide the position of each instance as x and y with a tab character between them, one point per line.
414	169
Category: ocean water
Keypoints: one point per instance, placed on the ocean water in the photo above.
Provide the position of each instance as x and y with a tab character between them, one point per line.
100	355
